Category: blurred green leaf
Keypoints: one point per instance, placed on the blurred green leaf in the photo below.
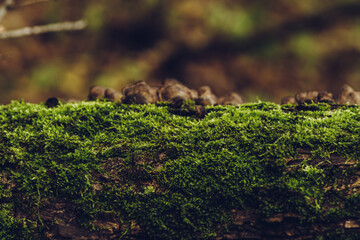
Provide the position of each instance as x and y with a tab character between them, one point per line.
306	47
47	76
236	22
95	15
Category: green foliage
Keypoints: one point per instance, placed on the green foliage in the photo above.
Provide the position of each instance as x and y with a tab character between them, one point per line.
13	228
48	75
95	17
231	21
175	176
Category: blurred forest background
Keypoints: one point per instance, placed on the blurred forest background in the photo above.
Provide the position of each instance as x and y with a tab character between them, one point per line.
264	49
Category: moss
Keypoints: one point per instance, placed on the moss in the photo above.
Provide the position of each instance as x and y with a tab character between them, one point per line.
174	175
13	228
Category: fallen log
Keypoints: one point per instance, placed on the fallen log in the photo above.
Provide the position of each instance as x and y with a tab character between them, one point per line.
104	170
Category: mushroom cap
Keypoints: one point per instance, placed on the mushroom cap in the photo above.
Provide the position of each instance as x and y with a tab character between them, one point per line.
325	96
307	97
174	89
139	93
231	99
288	100
113	95
347	95
52	102
96	92
206	96
204	90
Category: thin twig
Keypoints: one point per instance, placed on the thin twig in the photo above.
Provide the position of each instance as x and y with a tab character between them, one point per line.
29	2
8	4
53	27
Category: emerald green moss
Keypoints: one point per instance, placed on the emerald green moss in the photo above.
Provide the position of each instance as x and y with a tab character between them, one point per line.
177	177
13	228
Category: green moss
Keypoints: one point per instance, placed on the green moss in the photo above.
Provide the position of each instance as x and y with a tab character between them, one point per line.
13	228
174	175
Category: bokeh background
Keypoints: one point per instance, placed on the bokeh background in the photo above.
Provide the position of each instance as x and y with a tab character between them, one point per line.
263	49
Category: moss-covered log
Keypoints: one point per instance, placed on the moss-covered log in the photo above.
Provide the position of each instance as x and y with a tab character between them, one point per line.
101	170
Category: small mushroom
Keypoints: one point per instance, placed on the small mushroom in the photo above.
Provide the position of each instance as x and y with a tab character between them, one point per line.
139	93
231	99
348	95
52	102
112	95
96	92
206	97
174	89
288	100
306	97
325	97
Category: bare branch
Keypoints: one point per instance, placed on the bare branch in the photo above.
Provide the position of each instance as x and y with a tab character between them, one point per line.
54	27
8	4
29	2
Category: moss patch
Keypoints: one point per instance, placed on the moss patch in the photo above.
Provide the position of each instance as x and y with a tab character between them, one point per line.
162	175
